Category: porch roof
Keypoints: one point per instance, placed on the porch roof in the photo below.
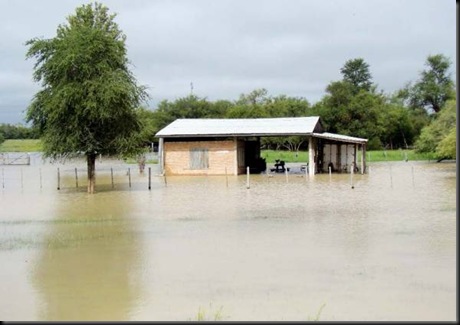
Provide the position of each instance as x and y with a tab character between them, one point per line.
339	137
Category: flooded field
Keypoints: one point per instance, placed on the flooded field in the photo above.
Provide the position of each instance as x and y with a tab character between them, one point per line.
291	249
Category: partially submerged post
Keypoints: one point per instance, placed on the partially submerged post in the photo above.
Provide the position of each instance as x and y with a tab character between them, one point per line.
58	179
247	177
150	178
351	175
76	177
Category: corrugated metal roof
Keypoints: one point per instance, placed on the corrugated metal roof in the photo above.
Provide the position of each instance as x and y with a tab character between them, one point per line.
339	137
240	127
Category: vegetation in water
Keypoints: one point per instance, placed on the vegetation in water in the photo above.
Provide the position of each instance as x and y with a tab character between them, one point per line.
211	315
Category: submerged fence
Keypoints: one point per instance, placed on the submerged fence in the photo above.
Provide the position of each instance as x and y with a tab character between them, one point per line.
14	159
65	178
129	176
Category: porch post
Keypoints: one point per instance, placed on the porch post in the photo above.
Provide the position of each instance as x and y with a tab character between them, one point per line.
235	170
161	159
363	159
311	156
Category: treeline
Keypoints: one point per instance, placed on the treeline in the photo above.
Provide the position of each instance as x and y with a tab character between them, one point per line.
17	131
351	106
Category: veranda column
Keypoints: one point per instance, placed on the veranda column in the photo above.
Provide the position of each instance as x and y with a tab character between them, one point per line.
161	156
363	159
311	156
235	170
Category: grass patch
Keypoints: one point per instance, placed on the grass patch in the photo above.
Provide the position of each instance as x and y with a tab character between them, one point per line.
21	145
397	155
288	156
371	156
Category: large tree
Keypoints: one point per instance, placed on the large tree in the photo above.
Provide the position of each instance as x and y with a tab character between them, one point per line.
434	87
88	98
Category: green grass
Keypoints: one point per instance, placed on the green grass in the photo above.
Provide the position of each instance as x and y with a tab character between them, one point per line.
19	145
371	156
288	156
397	155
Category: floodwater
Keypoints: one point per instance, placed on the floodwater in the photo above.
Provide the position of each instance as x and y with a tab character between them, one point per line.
289	249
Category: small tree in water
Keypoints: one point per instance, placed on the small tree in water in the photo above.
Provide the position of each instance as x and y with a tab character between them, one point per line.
89	97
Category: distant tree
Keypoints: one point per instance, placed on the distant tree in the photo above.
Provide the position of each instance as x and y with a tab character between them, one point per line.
356	72
440	136
2	138
252	105
434	87
89	97
257	96
188	107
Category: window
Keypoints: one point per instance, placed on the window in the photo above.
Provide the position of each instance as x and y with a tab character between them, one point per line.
199	158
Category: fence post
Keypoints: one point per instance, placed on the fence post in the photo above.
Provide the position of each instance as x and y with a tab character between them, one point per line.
76	177
59	179
111	175
150	177
129	176
351	174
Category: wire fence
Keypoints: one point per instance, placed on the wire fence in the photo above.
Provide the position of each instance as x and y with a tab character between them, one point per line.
68	178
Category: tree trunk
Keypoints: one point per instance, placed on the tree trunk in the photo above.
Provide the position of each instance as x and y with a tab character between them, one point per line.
91	159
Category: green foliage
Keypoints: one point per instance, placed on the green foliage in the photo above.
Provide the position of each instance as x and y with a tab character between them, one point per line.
434	87
447	148
440	136
357	115
89	97
18	131
356	72
188	107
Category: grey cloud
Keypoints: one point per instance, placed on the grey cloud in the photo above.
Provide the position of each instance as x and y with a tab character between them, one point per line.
227	48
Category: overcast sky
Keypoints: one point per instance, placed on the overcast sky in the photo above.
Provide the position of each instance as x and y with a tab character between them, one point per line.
226	48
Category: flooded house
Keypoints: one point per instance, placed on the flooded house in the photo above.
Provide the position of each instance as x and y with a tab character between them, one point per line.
229	146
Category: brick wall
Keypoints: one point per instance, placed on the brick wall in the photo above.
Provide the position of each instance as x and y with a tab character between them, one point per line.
221	154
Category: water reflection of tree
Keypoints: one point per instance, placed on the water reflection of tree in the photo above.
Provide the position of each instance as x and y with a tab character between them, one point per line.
88	269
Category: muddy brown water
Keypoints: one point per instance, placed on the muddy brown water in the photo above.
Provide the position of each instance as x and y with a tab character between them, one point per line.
285	249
